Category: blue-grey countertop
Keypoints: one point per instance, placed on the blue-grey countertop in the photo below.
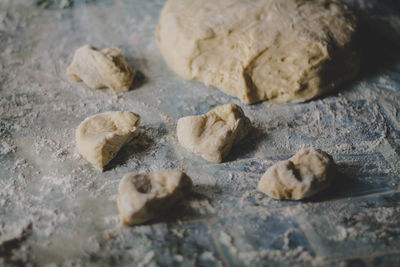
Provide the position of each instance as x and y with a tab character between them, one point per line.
56	209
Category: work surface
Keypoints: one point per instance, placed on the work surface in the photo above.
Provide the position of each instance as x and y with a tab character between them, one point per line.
55	208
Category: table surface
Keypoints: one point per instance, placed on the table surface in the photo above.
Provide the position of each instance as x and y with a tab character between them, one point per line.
56	209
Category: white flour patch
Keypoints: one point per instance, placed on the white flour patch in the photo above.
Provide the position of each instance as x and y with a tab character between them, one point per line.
71	207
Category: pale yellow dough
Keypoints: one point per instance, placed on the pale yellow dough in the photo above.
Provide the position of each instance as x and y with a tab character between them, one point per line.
212	135
100	137
305	174
255	50
143	197
98	69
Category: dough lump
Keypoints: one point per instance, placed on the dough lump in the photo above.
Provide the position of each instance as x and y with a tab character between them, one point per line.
98	69
212	135
308	172
100	137
255	50
143	197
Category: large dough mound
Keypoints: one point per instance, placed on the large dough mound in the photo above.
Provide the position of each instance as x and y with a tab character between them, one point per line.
279	50
105	68
308	172
100	137
212	135
143	197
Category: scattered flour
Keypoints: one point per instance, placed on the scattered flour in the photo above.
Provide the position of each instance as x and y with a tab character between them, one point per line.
298	256
147	259
208	257
6	148
381	224
14	232
48	193
227	240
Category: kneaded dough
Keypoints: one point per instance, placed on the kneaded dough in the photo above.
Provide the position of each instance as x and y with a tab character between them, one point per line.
308	172
98	69
212	135
100	137
278	50
143	197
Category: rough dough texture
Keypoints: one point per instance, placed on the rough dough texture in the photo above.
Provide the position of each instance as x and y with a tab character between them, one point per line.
212	135
278	50
308	172
98	69
100	137
143	197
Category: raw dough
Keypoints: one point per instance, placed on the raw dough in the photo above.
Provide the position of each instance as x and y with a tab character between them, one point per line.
308	172
98	69
100	137
143	197
279	50
212	135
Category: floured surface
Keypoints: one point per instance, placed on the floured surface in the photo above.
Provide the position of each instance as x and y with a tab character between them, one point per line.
55	208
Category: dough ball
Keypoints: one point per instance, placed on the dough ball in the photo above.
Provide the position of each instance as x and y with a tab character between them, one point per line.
212	135
98	69
308	172
255	50
100	137
143	197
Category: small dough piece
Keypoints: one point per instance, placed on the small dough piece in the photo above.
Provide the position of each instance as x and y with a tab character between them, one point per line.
308	172
255	50
143	197
98	69
212	135
100	137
